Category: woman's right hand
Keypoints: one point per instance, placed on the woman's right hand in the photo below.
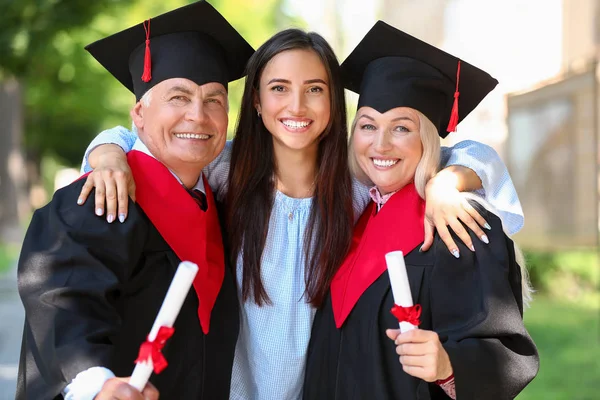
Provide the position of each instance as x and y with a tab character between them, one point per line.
113	181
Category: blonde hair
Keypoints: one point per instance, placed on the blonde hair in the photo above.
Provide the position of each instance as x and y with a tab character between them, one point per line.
428	165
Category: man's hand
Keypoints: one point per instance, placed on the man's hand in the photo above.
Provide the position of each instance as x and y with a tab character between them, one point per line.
119	389
445	207
113	181
421	354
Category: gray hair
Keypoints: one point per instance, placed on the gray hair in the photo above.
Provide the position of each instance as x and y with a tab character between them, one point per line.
146	98
428	165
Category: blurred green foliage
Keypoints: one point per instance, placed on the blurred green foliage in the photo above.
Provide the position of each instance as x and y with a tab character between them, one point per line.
569	275
68	96
8	256
41	44
567	336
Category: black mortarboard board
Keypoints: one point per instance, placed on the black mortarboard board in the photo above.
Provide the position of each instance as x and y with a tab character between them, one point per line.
390	69
194	42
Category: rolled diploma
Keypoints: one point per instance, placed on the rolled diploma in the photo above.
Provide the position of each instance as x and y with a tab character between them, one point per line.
178	290
399	281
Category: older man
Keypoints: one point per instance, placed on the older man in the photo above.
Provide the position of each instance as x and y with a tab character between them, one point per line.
91	290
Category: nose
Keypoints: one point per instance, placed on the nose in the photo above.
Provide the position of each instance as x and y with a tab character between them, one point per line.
196	112
381	141
297	103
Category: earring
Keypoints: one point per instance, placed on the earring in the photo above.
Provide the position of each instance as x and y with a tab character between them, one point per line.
258	113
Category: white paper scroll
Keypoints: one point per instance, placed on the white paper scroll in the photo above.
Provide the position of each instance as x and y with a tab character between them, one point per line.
399	281
180	286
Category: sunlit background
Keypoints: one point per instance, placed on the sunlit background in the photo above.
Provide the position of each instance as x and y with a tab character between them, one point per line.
543	119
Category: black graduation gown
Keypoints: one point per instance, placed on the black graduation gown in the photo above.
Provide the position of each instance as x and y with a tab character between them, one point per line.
91	292
474	303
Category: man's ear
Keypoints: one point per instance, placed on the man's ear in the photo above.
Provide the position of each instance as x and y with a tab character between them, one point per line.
137	115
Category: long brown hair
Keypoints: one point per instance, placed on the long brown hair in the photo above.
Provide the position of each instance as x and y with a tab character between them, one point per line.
252	185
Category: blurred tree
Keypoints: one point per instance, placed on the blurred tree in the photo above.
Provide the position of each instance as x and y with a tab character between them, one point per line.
68	96
41	45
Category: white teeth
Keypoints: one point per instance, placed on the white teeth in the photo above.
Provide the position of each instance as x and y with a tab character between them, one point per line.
295	124
384	163
191	136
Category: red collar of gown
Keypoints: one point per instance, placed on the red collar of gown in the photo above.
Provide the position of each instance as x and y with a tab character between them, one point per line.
194	235
397	226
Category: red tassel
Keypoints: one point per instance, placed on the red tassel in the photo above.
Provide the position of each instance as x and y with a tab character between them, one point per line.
147	75
454	114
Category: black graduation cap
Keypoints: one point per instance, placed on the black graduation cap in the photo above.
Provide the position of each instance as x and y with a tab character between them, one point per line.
390	69
194	42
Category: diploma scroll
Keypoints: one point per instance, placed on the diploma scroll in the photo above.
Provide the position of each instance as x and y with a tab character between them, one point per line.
399	282
178	290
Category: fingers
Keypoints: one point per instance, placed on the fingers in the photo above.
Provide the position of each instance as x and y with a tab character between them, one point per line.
113	182
111	193
423	356
411	349
150	392
429	367
429	231
416	336
442	230
122	195
392	333
461	232
413	361
478	222
426	373
86	189
100	195
118	389
111	196
422	366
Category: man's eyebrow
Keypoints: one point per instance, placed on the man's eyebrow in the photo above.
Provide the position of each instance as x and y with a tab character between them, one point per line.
216	92
179	88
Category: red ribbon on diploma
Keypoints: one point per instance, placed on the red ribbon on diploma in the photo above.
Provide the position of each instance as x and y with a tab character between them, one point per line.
153	350
407	314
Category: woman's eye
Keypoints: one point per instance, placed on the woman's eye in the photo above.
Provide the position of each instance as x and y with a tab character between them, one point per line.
277	88
401	128
368	127
315	89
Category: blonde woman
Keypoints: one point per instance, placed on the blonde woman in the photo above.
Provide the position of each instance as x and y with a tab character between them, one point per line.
471	342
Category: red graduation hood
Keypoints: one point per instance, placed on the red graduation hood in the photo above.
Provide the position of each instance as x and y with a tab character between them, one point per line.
397	226
194	235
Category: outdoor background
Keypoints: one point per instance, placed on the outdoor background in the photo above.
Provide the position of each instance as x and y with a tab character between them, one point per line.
543	119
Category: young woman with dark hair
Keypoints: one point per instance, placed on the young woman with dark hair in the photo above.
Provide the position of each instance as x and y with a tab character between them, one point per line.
270	155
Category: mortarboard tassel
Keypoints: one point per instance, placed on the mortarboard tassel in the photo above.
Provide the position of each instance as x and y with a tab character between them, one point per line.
454	114
147	75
